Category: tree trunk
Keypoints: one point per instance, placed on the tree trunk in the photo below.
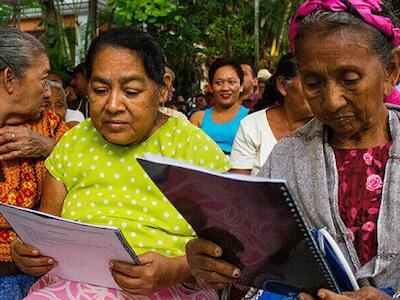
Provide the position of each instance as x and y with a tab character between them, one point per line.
16	19
93	18
227	32
256	33
228	47
50	12
55	28
284	24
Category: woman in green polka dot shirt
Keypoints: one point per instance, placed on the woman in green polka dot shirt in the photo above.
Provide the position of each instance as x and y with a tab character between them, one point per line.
93	175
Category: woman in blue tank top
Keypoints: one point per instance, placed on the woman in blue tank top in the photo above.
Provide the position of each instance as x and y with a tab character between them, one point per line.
222	121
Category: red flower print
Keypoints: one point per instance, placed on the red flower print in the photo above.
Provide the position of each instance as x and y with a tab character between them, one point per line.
378	163
368	158
19	199
353	213
369	226
373	210
343	187
27	177
359	208
27	192
4	199
365	236
4	235
52	116
373	183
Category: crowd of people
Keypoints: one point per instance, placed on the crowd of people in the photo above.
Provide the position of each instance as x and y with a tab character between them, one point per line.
327	121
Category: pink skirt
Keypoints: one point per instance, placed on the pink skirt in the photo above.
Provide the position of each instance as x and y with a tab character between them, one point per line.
54	288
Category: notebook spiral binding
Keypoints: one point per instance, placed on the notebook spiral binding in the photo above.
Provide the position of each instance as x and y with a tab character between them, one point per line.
305	229
128	248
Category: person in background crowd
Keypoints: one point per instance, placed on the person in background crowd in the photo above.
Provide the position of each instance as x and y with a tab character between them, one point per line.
77	98
249	96
343	166
125	71
56	77
169	79
209	99
283	109
28	134
200	103
263	75
221	122
57	103
182	105
169	106
208	91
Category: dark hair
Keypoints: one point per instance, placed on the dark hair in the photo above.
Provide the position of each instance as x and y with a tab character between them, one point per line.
79	68
140	42
247	62
329	20
222	62
287	68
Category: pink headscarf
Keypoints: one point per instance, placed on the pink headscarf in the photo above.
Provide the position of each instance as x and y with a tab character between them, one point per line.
367	9
394	97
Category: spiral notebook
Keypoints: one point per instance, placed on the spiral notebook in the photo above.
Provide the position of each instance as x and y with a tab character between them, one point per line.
83	251
255	220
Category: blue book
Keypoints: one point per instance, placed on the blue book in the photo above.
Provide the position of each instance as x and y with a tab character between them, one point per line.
336	261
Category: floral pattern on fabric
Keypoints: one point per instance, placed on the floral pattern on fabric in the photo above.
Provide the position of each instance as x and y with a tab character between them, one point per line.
361	173
22	182
60	289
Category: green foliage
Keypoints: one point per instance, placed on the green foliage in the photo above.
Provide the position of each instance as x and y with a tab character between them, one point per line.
7	9
5	14
58	46
127	11
192	30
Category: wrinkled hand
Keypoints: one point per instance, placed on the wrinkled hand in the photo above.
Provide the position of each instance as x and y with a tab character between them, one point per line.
155	273
366	293
206	265
29	260
21	142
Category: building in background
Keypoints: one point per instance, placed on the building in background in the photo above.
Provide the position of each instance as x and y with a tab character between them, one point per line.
74	16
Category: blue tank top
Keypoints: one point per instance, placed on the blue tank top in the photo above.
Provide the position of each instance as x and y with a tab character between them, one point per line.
223	134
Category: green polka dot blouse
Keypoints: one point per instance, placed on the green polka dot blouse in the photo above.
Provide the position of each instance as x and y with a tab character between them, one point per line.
107	186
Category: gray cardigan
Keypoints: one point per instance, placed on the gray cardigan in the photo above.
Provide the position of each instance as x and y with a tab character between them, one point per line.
307	162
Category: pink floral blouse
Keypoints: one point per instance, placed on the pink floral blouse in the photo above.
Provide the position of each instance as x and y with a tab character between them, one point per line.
361	174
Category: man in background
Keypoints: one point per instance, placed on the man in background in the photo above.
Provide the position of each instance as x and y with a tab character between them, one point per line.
263	75
249	96
77	98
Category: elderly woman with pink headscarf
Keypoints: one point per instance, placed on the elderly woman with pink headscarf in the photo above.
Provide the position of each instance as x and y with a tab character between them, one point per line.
344	165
